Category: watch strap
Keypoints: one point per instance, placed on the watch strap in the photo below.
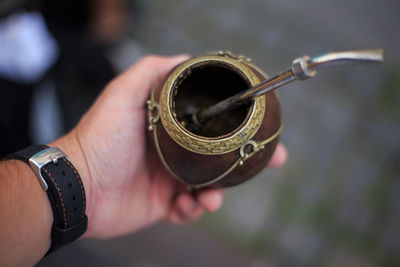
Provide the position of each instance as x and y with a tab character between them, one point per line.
66	196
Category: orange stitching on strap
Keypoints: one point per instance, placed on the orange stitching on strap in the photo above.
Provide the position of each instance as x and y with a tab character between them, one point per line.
80	184
59	192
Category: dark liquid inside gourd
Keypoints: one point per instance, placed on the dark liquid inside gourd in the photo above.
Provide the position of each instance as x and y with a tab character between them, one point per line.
204	85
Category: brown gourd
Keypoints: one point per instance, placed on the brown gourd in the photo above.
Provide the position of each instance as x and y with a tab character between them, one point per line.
239	111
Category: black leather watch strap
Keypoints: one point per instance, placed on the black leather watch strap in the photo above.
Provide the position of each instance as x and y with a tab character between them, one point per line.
66	195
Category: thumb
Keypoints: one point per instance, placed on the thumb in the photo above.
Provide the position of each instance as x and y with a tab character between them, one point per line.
155	68
147	73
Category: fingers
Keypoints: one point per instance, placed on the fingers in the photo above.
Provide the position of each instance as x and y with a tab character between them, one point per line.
189	207
279	157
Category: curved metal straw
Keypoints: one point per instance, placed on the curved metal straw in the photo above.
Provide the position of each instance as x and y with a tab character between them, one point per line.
302	68
368	55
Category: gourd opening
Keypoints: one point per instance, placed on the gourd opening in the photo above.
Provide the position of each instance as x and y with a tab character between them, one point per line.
203	85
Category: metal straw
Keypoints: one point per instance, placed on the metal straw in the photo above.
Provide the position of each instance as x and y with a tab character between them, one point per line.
302	68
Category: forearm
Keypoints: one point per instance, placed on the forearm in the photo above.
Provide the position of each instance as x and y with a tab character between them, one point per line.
26	216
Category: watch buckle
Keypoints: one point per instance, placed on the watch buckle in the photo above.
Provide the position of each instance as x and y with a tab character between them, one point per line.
42	158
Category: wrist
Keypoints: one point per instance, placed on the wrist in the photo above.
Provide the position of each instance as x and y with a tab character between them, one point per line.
29	215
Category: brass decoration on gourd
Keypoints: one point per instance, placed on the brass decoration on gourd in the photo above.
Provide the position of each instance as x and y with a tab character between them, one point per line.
215	119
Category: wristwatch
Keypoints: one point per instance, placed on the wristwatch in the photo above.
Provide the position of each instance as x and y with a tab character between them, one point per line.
64	188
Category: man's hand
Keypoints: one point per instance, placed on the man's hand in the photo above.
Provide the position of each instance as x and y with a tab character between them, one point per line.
126	185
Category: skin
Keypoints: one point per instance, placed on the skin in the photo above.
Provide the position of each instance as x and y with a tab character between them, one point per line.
126	186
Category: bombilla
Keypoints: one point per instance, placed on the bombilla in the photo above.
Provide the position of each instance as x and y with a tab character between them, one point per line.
302	69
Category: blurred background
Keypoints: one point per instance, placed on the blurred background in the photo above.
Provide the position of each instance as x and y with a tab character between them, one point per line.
337	200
